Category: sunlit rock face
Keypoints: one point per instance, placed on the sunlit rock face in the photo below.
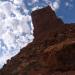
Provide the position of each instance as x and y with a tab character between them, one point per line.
16	29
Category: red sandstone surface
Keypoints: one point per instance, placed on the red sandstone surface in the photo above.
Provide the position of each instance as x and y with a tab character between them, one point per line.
51	53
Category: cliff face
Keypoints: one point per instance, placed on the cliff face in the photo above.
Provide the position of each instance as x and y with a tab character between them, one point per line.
51	53
45	22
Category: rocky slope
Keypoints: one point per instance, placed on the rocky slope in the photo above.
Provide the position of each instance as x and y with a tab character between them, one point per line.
51	53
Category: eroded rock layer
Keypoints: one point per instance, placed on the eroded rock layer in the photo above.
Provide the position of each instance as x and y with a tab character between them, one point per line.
51	53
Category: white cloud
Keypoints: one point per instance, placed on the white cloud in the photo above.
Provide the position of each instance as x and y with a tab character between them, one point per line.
56	4
16	30
69	4
36	8
17	1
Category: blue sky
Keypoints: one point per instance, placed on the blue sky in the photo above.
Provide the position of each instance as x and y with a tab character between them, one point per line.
67	11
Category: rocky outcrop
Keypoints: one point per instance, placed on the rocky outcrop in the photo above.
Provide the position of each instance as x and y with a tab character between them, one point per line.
45	22
51	53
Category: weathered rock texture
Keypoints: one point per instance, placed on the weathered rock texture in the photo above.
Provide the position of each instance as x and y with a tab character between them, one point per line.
51	53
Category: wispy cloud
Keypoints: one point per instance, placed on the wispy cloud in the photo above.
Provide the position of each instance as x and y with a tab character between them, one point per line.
16	30
69	4
54	5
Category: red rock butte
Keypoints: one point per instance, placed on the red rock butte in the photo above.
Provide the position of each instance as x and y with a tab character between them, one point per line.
51	53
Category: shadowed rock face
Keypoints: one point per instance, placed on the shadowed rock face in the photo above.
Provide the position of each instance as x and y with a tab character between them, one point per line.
67	55
51	53
45	21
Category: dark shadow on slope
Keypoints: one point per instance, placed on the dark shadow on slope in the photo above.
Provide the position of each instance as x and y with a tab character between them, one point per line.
67	57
